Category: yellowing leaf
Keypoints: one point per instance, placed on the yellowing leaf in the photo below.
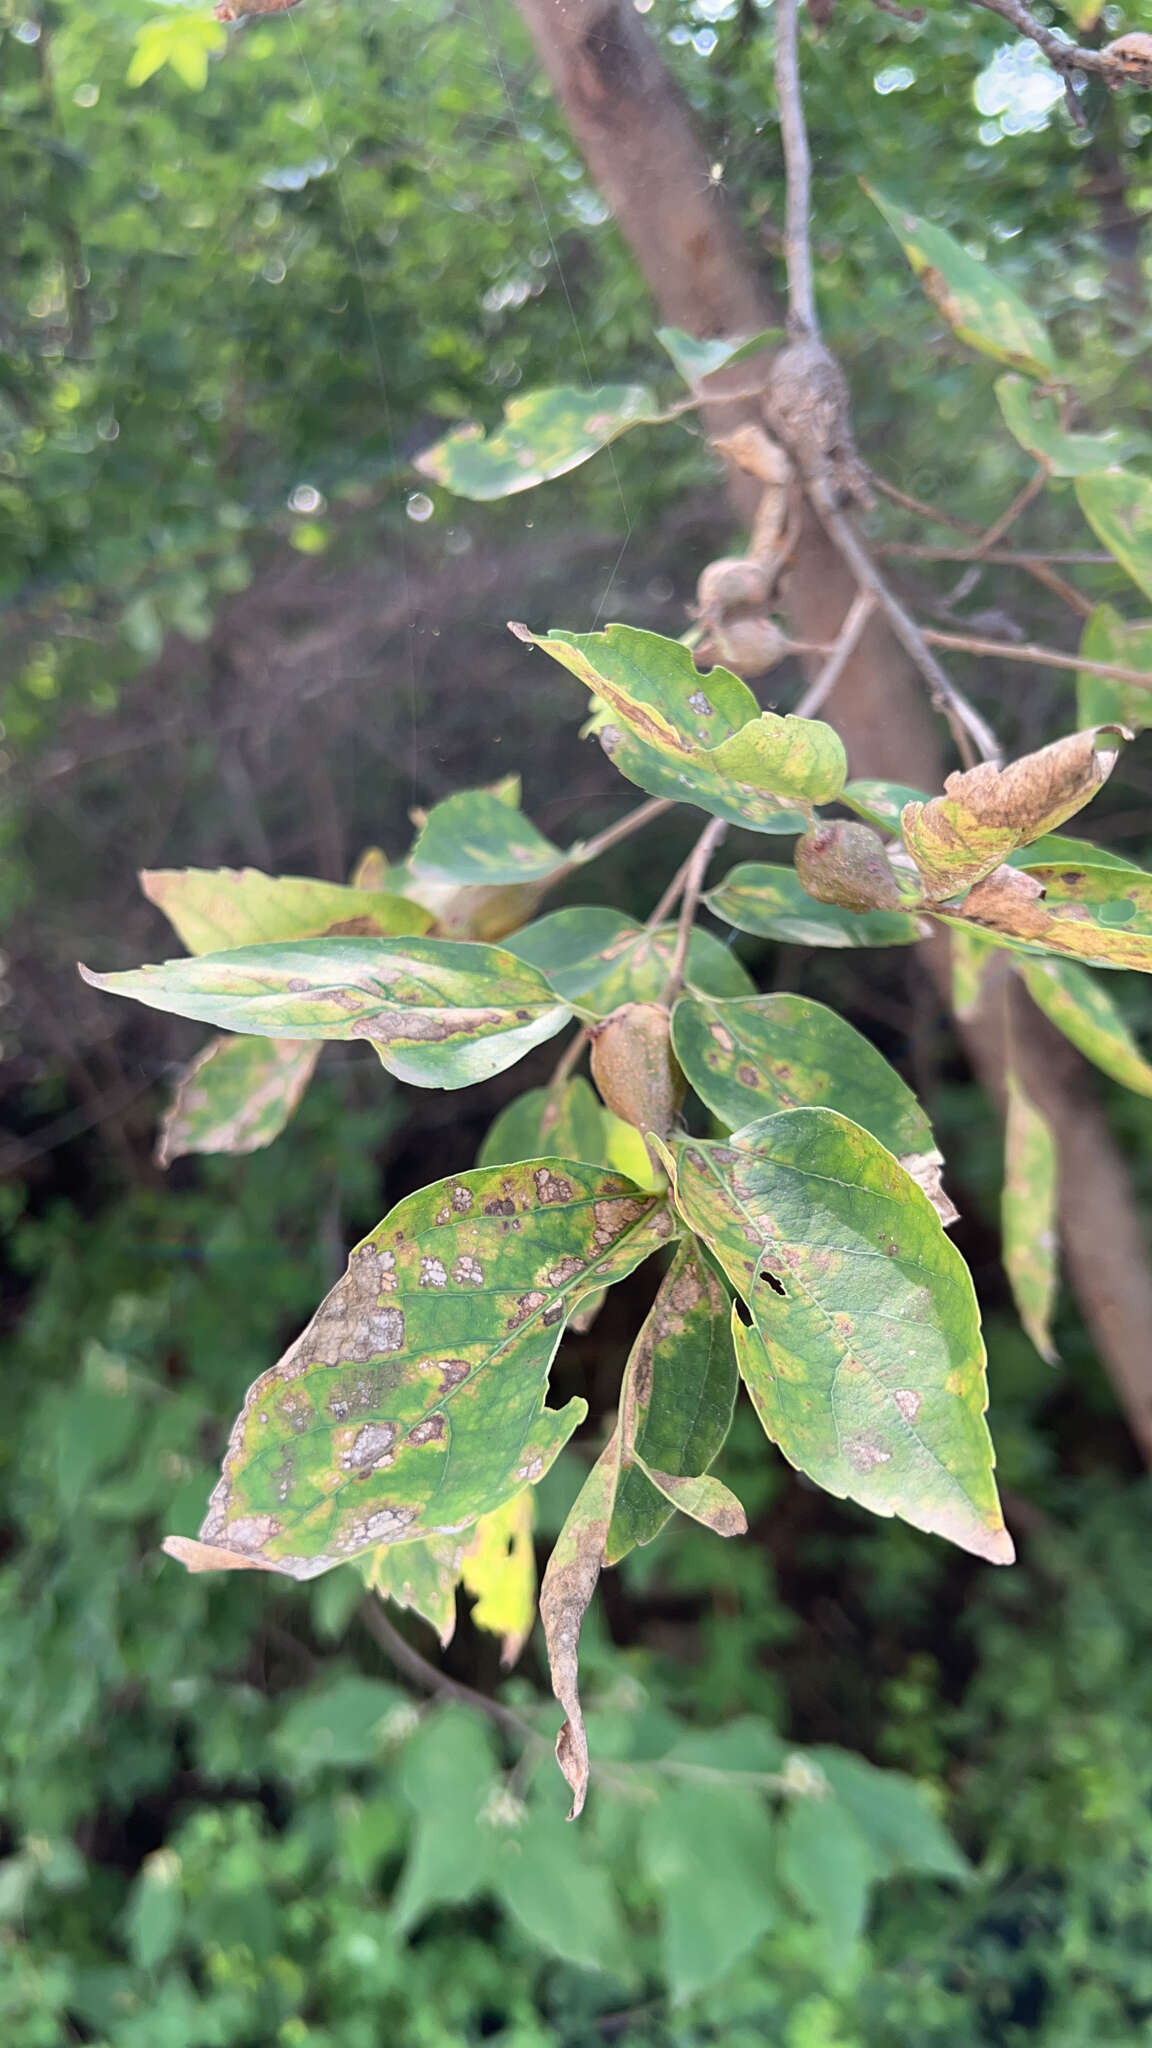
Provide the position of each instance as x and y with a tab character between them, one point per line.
1084	1011
544	434
236	1096
499	1570
1028	1215
213	910
978	305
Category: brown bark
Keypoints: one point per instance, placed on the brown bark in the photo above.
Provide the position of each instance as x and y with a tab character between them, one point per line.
636	133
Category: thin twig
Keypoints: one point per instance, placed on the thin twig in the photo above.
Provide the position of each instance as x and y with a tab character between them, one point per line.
901	13
855	619
1039	567
671	896
426	1676
1041	657
798	167
697	869
560	1073
999	527
1064	57
612	835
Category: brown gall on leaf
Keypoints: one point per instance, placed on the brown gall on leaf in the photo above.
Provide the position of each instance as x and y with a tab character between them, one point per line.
987	812
568	1585
845	863
634	1067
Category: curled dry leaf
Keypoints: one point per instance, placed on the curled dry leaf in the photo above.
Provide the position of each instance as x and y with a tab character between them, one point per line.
986	812
568	1585
705	1500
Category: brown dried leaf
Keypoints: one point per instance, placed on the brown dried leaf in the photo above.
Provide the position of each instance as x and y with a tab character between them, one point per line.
568	1585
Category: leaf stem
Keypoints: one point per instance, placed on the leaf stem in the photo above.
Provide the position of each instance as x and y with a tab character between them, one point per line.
696	869
838	655
1041	657
429	1679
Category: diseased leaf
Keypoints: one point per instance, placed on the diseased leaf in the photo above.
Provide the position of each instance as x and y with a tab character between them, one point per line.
1118	508
543	434
215	909
971	953
705	1500
499	1570
698	738
864	1359
1033	418
880	803
770	902
1028	1213
676	1400
421	1576
696	360
235	1096
440	1013
1086	1014
596	959
565	1594
1099	701
371	871
749	1058
980	307
986	812
412	1403
1100	915
475	838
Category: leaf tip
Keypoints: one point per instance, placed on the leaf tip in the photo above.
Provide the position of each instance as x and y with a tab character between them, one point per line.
520	630
997	1547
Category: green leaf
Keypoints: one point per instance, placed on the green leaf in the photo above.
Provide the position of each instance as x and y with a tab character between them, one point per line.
979	307
881	803
236	1096
709	1851
447	1775
575	1131
705	1500
1058	847
1028	1215
565	1902
696	360
1118	508
700	738
1086	1014
214	909
473	837
986	813
828	1866
544	434
440	1013
184	42
420	1576
864	1361
1033	418
749	1058
493	1560
413	1402
676	1400
971	953
1099	701
596	959
893	1814
338	1725
1101	915
770	902
154	1917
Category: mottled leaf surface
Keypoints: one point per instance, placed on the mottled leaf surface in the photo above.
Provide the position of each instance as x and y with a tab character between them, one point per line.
1101	915
213	910
543	434
980	307
1028	1213
596	959
1100	701
1033	419
770	902
881	803
749	1058
475	838
236	1096
413	1402
971	953
1086	1014
422	1577
440	1013
1118	508
864	1359
699	738
986	812
676	1400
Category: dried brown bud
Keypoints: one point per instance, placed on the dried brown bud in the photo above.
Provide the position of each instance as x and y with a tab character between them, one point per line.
1132	55
634	1068
845	863
750	647
729	585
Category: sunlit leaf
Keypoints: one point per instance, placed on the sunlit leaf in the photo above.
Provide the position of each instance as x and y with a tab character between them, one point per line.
440	1013
1033	418
413	1402
213	910
236	1096
1100	701
980	307
544	434
986	812
864	1359
499	1570
1028	1213
473	837
1118	508
1086	1014
770	902
700	738
575	1127
596	959
880	803
1101	915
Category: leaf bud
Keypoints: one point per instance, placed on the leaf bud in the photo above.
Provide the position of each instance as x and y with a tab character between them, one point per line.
845	863
634	1068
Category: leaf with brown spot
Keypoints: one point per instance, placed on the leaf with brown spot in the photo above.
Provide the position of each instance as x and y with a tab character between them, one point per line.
476	838
235	1096
864	1359
982	308
596	959
705	1499
407	1410
986	813
214	910
1028	1214
1100	915
565	1593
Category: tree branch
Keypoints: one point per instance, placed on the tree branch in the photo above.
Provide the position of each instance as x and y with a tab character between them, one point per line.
798	167
1064	57
1040	657
859	612
420	1672
694	874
